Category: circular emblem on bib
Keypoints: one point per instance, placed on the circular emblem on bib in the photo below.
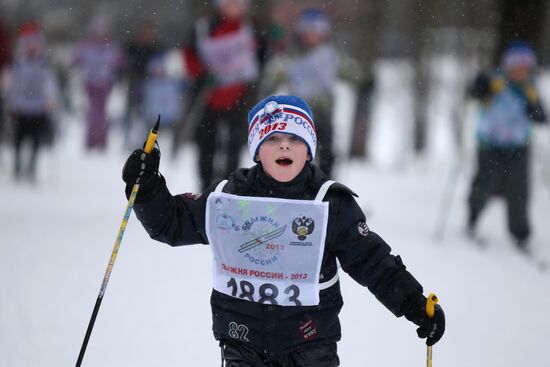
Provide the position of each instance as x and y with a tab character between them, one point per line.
261	249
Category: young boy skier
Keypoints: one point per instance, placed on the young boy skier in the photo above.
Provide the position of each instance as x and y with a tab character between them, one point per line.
278	233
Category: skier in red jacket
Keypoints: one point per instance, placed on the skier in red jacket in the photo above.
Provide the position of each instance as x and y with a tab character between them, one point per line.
223	55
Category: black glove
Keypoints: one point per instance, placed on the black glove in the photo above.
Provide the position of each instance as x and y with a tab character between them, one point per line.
535	112
141	168
430	328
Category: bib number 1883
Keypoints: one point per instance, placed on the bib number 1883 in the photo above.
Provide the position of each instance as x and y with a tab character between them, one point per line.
267	292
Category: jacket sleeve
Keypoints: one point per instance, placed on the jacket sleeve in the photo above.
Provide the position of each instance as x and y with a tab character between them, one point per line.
194	66
534	108
481	87
535	111
367	258
175	220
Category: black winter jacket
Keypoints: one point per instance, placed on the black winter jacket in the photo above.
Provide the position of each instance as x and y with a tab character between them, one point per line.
180	220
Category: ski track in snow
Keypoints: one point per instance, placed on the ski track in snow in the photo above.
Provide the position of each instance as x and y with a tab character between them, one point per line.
57	238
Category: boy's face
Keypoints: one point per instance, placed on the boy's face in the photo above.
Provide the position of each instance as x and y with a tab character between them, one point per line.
519	74
312	38
283	156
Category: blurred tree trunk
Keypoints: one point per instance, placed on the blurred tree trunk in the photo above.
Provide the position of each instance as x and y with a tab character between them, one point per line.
368	50
521	20
419	17
422	79
543	46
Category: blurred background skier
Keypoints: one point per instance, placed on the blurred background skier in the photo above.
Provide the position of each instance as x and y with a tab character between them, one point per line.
32	94
5	59
509	105
140	50
101	60
223	56
310	70
160	93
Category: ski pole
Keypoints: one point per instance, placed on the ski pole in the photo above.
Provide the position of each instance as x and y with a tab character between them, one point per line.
430	311
446	202
147	149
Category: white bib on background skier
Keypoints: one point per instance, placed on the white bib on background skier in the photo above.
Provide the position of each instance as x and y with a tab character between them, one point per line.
231	58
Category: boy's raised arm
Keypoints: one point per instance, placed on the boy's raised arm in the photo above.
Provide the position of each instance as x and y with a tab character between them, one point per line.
175	220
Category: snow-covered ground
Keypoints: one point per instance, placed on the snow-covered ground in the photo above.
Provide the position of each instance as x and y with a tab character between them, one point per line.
56	239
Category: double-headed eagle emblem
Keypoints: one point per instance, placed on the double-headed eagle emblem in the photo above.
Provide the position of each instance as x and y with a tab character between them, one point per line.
303	226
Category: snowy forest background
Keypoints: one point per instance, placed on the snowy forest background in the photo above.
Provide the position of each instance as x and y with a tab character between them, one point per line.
426	37
409	156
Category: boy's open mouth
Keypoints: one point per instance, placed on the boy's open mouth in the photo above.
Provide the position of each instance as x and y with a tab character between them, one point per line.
284	161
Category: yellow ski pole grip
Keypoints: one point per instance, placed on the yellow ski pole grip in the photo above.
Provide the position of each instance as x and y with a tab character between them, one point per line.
430	311
150	143
430	305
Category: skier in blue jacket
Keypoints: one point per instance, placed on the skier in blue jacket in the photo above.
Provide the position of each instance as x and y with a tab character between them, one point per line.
509	106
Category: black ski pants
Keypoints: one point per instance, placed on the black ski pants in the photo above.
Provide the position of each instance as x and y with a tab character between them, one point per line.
237	354
35	129
220	137
322	116
506	172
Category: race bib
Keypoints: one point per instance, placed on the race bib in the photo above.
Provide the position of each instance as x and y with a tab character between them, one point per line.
267	250
232	58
